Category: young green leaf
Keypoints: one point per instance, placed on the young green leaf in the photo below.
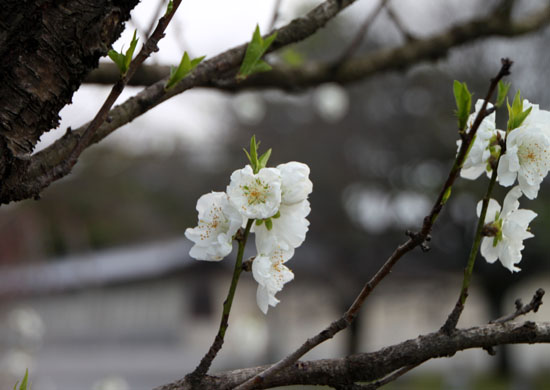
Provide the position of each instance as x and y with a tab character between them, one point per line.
269	224
122	61
264	158
185	66
24	382
503	88
254	154
516	115
463	99
252	62
117	58
130	52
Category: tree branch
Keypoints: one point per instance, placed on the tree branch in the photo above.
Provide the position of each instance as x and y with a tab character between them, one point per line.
521	309
383	60
29	176
24	179
359	36
415	239
366	367
47	48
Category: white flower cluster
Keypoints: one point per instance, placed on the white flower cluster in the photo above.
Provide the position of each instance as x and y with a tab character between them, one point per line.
526	157
276	198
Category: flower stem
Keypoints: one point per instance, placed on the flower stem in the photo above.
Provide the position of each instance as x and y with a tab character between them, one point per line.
453	318
196	376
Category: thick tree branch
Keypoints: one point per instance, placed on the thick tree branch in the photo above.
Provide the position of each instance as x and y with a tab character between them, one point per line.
28	176
150	46
366	367
47	48
398	58
25	178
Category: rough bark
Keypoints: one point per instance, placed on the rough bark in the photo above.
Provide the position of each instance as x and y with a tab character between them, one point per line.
367	367
47	48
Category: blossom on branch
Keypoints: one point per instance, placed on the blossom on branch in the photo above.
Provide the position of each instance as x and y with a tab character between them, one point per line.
256	196
218	223
527	156
507	228
484	146
287	230
295	186
271	274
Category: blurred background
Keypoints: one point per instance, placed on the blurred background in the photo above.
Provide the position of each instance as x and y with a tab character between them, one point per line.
97	290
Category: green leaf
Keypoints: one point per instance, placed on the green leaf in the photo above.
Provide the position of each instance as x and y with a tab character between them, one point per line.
130	52
254	154
169	8
516	115
123	60
503	88
264	158
117	58
463	99
24	382
252	62
269	224
185	66
259	222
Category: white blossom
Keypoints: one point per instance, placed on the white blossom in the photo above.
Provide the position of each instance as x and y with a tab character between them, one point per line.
288	229
256	196
510	226
295	183
527	154
271	274
477	160
218	223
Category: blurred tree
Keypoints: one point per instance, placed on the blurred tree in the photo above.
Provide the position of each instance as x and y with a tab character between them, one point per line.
377	182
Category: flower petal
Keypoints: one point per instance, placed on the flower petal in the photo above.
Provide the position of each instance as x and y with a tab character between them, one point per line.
506	177
493	208
530	190
296	185
488	251
511	202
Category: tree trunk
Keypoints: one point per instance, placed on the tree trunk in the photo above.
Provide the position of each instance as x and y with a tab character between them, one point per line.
47	48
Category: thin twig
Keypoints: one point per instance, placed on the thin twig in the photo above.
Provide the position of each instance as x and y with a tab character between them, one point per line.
150	46
454	316
399	24
415	239
390	378
360	36
521	309
198	374
160	7
275	16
